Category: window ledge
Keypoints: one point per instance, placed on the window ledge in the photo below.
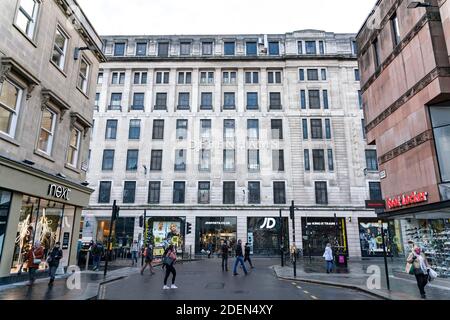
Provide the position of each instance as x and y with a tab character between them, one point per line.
83	93
58	68
72	168
32	41
7	138
44	155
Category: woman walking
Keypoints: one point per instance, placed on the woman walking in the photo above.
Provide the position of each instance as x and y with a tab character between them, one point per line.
34	258
328	255
148	253
418	264
53	261
169	258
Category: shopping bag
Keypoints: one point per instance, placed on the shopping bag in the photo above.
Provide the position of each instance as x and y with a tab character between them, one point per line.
432	274
409	268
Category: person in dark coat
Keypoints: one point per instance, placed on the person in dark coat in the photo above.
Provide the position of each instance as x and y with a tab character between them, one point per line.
247	255
239	259
225	250
53	261
34	258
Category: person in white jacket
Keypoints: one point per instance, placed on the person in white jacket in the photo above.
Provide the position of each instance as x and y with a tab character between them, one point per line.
328	255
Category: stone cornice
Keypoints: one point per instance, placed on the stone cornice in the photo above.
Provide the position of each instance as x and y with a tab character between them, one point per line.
8	65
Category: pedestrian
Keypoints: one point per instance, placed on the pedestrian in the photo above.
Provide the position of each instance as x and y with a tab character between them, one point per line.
209	250
35	256
134	253
169	259
96	251
53	261
418	264
225	249
148	254
247	255
328	255
239	259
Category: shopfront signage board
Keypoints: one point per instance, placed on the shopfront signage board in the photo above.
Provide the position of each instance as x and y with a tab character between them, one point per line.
59	192
407	200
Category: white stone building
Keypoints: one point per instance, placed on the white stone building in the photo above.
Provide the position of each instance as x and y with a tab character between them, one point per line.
218	109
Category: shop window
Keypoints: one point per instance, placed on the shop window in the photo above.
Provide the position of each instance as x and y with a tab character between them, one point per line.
212	231
5	203
319	232
440	116
266	233
166	231
371	238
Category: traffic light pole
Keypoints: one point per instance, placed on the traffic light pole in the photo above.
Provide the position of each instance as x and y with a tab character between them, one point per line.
385	255
108	249
144	236
281	240
292	211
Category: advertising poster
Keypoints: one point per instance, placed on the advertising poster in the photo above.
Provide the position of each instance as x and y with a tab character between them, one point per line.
166	233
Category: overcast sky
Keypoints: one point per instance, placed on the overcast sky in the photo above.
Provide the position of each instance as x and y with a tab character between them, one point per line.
147	17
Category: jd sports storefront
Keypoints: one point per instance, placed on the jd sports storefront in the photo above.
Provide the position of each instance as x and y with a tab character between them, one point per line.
265	235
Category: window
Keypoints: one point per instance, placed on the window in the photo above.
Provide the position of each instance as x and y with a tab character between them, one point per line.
313	74
111	129
330	160
301	74
321	192
205	129
278	160
180	160
300	47
100	78
207	48
275	101
321	47
229	129
161	101
27	16
251	48
318	160
134	132
141	49
253	160
254	192
132	160
316	129
360	99
185	48
162	77
303	99
204	192
118	78
440	119
183	101
325	99
229	190
108	160
206	101
229	101
371	160
274	48
205	160
158	130
323	73
10	96
74	147
314	99
252	129
310	47
229	77
252	101
363	125
376	53
327	129
279	192
163	49
154	191
276	126
306	159
138	101
228	160
184	77
274	76
375	191
179	192
207	77
251	77
47	132
305	128
140	78
156	160
104	192
129	191
83	76
119	49
395	30
354	47
357	77
182	126
59	49
116	101
229	48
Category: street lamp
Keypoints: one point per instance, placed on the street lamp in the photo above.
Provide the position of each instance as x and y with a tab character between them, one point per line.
417	4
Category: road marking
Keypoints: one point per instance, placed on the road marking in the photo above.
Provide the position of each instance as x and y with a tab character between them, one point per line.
299	287
305	291
294	283
314	297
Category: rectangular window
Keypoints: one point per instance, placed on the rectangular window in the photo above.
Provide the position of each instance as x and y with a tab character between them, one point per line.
395	30
141	49
360	99
156	160
278	160
321	47
229	102
111	129
330	160
314	99
251	49
10	99
118	78
180	160
185	48
274	76
371	160
205	160
179	190
104	192
140	78
108	160
229	48
161	101
279	192
354	47
228	193
116	102
154	192
325	99
253	160
440	119
207	77
321	192
276	126
274	48
47	132
363	125
254	192
132	160
134	131
184	77
316	129
204	189
376	53
27	16
327	129
306	159
313	74
323	73
182	126
252	101
375	191
119	49
357	77
74	147
253	129
205	129
229	77
305	128
229	129
129	191
301	74
206	101
275	101
138	101
158	130
162	77
303	99
310	47
251	77
100	78
60	49
183	101
318	160
207	48
300	47
228	160
163	49
83	76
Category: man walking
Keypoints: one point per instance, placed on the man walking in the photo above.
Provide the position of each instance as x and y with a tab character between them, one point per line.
53	261
247	255
239	259
134	253
224	249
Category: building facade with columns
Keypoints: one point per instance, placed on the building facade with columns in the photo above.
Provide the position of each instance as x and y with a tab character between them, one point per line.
218	133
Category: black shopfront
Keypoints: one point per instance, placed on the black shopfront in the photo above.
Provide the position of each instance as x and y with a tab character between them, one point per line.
266	234
318	232
212	231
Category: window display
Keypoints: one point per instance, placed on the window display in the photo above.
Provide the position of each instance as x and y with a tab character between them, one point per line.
211	231
265	235
5	202
164	234
318	232
371	238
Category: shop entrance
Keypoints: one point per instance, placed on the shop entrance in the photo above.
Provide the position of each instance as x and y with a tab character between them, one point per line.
318	232
212	231
264	235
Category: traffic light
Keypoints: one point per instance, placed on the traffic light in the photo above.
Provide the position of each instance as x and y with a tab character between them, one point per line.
188	228
141	221
292	210
115	212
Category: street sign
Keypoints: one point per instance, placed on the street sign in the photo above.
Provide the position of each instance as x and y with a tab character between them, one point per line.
375	204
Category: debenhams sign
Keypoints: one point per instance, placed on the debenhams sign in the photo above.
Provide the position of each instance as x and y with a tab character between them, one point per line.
59	192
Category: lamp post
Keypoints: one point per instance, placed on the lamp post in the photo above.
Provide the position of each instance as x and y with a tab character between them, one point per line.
114	216
385	255
144	242
281	240
292	213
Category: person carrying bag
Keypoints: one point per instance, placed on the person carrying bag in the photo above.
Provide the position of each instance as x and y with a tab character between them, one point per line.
169	259
418	265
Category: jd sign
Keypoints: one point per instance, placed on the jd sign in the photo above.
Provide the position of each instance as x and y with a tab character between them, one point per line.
58	192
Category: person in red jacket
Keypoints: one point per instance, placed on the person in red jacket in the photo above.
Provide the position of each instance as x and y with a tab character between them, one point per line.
34	258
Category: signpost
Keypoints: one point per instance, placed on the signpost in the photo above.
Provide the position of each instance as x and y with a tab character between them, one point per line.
292	213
